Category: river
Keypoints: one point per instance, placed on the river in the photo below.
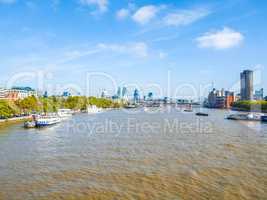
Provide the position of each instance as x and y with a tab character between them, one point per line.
119	154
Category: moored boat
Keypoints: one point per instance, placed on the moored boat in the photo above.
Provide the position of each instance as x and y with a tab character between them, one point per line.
246	117
94	109
130	106
264	118
65	113
30	124
202	114
188	110
47	120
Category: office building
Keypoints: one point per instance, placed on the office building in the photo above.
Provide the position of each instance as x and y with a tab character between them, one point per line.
246	86
258	94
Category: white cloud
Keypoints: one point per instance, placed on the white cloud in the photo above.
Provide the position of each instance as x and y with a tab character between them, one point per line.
145	14
122	13
139	49
185	17
222	39
7	1
102	5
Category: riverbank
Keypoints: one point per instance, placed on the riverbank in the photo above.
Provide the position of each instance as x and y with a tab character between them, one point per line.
14	119
250	106
248	110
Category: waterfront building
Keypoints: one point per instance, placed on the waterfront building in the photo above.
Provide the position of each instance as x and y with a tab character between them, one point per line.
220	99
3	93
246	86
23	92
258	94
229	99
16	93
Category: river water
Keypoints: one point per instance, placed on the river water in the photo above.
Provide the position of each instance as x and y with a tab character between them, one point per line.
118	154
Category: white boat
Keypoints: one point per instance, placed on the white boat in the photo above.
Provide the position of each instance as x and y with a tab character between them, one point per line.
94	109
47	120
246	116
65	113
29	124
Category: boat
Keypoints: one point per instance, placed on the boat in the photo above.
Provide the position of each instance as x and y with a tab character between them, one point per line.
202	114
30	124
188	110
130	106
264	118
47	120
93	109
65	113
247	117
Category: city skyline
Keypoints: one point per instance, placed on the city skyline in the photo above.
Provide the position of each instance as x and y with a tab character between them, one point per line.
141	43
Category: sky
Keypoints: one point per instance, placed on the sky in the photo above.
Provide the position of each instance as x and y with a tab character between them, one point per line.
175	48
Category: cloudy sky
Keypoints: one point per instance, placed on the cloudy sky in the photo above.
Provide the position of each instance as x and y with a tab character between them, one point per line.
167	46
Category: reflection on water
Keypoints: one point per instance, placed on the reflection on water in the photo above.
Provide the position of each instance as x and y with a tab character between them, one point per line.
118	155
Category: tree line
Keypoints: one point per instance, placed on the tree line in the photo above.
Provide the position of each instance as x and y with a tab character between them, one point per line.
251	105
33	104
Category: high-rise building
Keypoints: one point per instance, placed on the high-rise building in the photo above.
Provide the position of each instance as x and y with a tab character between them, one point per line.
104	94
119	92
246	89
258	94
136	96
150	96
124	92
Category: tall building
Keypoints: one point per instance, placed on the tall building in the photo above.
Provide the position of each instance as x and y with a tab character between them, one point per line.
258	94
124	92
136	96
150	96
119	92
246	89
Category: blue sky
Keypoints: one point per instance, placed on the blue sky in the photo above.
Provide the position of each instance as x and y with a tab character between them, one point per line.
163	46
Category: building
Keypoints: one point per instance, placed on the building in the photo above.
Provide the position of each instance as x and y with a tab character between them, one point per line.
104	94
3	93
65	94
150	96
45	94
246	86
119	92
229	99
136	96
258	94
16	93
220	99
124	92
